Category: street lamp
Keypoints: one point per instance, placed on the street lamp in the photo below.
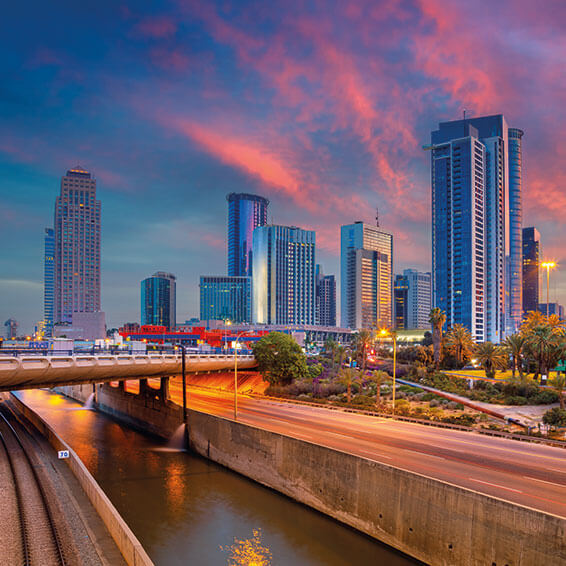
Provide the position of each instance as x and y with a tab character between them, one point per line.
548	265
236	374
393	334
227	322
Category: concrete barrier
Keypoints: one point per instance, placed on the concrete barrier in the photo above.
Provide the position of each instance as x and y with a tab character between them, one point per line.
431	520
131	549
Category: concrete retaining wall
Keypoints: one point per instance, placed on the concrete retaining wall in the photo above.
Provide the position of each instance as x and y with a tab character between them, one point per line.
433	521
131	549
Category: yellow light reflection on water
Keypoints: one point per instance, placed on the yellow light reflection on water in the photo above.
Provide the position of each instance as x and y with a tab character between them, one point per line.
248	552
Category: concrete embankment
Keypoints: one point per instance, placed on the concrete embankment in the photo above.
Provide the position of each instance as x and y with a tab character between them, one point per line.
131	549
433	521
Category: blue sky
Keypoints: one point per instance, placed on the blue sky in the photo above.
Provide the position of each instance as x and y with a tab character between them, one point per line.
321	107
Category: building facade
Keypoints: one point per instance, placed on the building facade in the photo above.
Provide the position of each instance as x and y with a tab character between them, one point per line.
11	328
283	275
476	210
325	298
366	271
48	281
226	298
77	247
413	300
532	255
158	300
245	213
549	309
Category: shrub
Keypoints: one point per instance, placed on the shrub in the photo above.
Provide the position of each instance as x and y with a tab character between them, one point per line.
545	397
428	396
555	417
515	400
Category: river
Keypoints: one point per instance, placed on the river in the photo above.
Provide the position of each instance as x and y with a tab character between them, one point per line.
186	510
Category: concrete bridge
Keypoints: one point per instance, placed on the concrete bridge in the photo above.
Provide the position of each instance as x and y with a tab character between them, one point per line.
29	372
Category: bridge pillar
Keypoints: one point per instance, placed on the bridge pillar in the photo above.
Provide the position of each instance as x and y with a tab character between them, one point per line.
164	389
121	386
144	388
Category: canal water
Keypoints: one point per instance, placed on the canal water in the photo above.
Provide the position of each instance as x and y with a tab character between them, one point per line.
186	510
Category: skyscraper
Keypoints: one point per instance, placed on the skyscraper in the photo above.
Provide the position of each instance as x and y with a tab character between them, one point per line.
366	271
325	298
245	213
48	281
413	299
283	275
476	209
11	328
158	300
225	298
531	269
77	247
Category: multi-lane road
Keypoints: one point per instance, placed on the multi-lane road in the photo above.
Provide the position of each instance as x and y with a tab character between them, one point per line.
530	474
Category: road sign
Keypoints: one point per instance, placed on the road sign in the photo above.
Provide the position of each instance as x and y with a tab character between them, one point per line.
63	454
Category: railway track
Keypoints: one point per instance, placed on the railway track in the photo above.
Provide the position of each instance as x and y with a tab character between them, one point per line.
40	542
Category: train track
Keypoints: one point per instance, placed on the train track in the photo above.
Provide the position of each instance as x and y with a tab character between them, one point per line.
40	541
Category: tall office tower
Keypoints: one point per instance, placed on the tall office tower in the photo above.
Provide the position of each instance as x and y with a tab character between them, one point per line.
225	298
366	271
400	293
48	281
158	300
551	309
531	269
413	295
283	275
476	209
11	328
325	298
77	247
245	213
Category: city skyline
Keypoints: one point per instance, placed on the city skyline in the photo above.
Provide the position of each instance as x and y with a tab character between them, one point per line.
209	102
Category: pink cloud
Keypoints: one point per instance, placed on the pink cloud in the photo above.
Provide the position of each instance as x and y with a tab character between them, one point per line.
156	27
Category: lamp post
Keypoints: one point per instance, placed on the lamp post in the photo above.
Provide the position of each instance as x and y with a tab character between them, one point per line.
393	334
183	372
227	322
236	374
548	265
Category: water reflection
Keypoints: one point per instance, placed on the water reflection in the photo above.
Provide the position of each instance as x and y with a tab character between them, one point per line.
185	509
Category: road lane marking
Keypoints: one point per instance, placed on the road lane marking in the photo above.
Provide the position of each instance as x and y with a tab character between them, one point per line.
496	485
373	456
544	481
423	454
557	470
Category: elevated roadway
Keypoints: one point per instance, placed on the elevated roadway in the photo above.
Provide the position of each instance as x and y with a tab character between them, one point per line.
29	372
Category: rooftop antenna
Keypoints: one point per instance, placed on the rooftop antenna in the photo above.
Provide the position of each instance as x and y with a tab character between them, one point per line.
464	113
377	217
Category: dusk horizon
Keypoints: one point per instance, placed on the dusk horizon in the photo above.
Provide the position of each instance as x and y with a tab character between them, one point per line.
323	112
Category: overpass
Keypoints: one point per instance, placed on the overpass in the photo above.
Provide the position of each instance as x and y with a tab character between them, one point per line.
29	372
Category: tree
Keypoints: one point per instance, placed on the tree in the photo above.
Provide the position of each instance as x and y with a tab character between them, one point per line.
559	384
459	343
515	346
437	318
280	359
491	357
362	344
425	355
348	376
330	348
379	378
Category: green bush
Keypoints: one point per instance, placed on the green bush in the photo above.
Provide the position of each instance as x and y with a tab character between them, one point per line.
545	397
555	417
515	400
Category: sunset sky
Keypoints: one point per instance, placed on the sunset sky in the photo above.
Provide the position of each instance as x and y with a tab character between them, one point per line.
322	107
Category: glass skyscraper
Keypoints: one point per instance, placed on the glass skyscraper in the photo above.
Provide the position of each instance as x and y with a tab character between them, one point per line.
245	213
476	228
158	300
48	280
531	269
77	247
283	275
325	298
366	271
225	298
413	300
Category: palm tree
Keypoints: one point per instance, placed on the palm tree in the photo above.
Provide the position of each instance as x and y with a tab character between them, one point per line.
341	351
540	340
437	318
348	376
425	355
378	377
362	344
515	346
460	343
491	357
559	384
330	348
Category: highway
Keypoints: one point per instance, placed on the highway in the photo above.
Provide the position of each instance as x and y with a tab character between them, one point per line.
530	474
